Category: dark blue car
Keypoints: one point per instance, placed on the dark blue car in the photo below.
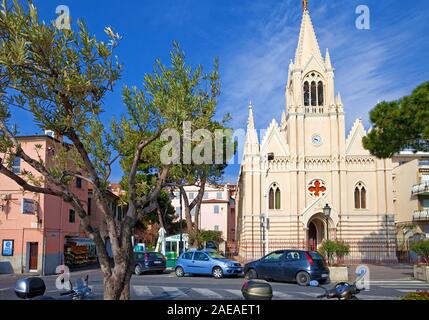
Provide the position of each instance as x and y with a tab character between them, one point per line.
289	265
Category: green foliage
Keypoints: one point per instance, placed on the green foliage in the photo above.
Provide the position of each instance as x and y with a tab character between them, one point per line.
201	236
422	249
419	295
400	123
332	248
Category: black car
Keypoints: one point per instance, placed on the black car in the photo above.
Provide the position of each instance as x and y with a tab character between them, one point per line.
289	265
149	262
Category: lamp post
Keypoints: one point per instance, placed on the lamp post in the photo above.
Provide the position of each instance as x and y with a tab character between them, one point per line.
327	213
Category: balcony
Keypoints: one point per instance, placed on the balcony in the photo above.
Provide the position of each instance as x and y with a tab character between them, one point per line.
420	189
421	215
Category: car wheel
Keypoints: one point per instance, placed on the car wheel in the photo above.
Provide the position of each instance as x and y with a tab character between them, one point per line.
251	274
303	278
180	272
217	273
138	270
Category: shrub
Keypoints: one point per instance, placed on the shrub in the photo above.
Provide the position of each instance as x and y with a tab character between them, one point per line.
419	295
422	249
331	248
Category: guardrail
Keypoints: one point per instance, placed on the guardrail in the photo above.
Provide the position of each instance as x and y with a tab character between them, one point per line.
420	188
421	215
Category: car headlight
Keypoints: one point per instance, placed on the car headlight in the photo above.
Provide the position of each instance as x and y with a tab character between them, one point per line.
230	265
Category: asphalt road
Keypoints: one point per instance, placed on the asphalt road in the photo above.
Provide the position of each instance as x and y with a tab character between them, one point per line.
387	283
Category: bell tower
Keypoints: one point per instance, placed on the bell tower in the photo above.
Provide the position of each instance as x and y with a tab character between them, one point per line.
315	116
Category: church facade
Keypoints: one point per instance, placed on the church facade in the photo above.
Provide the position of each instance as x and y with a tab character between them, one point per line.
307	161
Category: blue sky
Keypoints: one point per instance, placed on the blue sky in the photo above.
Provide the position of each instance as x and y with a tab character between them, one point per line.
254	41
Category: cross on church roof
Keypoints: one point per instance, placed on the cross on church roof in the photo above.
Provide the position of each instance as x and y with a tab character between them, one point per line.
305	5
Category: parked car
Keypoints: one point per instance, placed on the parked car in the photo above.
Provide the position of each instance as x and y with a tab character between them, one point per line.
289	265
149	262
206	262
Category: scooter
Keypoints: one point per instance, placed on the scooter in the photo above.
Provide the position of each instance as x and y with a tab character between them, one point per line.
33	288
341	291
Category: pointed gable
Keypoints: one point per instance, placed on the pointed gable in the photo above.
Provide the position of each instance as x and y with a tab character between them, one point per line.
354	144
274	142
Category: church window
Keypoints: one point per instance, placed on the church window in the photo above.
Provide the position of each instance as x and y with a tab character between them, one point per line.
320	93
306	94
274	198
357	198
363	198
313	94
360	196
271	199
278	198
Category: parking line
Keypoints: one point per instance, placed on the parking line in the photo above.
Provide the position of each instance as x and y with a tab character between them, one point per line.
235	292
142	291
174	292
208	293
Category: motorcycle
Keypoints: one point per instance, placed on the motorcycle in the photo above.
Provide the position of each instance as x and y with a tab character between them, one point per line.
341	291
33	288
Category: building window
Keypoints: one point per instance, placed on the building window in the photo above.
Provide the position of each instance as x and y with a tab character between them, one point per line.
191	196
72	216
274	198
313	94
216	209
216	228
271	199
306	94
89	206
218	195
177	210
16	165
193	211
320	93
79	183
360	196
278	198
206	195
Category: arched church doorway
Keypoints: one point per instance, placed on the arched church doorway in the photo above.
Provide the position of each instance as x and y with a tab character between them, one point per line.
316	233
312	237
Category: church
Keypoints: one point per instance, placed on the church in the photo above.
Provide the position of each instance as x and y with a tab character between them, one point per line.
306	164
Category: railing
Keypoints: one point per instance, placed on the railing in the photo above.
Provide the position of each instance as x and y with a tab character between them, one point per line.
421	215
420	188
380	251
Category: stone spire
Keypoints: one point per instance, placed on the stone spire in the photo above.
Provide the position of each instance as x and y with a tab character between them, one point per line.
307	44
328	62
252	142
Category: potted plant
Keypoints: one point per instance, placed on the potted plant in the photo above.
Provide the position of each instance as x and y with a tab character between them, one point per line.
332	249
421	270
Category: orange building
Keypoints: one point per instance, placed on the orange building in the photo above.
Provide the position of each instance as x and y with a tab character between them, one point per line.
39	232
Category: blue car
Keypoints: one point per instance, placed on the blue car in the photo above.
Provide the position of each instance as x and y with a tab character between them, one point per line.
289	265
205	262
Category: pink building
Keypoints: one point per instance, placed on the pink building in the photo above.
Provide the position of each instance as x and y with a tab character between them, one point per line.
35	228
217	210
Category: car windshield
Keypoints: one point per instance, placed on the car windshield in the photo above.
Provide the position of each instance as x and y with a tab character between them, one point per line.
216	255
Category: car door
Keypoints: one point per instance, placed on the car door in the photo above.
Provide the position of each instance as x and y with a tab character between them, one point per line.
201	263
271	266
291	264
186	262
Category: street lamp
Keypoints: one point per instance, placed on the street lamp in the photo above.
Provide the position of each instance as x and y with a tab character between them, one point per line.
327	213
